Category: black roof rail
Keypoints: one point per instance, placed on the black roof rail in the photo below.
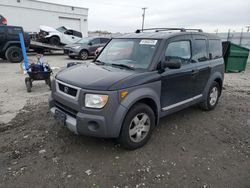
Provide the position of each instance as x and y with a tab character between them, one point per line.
167	29
198	30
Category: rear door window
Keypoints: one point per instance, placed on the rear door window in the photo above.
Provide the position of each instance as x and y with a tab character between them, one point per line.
95	41
104	40
68	32
178	50
215	49
200	53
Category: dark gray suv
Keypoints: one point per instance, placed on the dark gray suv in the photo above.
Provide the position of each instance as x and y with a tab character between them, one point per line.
85	47
137	79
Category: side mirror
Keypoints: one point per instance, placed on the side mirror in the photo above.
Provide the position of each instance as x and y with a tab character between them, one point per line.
172	64
90	43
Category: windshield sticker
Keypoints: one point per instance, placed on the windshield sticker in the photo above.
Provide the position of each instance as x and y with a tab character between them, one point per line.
148	42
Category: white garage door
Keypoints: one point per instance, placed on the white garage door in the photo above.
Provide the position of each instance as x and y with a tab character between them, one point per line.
72	23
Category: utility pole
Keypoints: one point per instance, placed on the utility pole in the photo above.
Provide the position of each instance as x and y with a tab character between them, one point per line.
241	35
143	17
248	28
228	34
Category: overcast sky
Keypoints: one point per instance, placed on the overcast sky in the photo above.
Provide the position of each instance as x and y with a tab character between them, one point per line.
126	16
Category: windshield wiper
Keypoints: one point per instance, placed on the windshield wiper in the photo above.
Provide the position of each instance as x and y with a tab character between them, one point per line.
98	62
123	66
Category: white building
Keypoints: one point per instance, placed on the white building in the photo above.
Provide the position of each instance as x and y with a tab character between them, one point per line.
30	14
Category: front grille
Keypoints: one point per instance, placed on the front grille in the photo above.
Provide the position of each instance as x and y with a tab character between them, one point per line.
67	90
66	109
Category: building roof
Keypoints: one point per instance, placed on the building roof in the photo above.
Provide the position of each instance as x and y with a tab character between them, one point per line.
40	1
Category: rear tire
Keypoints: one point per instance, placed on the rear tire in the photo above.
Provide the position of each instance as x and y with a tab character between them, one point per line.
54	41
212	97
137	127
14	54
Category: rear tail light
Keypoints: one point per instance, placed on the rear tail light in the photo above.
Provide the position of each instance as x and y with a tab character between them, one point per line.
4	21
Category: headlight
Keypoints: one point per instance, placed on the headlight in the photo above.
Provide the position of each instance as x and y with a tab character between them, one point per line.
76	47
95	100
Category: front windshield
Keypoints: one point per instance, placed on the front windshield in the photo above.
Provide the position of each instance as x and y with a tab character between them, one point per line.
135	53
61	29
84	41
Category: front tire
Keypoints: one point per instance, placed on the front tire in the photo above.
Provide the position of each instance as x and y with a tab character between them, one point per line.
137	127
212	97
14	54
28	84
54	41
83	55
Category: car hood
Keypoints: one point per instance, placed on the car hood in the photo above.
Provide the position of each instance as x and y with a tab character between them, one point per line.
47	28
93	77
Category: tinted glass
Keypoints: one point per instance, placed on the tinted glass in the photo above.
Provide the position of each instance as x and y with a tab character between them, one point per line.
95	41
77	34
104	40
200	52
215	49
179	50
68	32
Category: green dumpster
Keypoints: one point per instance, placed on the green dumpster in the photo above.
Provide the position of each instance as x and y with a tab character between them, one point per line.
235	57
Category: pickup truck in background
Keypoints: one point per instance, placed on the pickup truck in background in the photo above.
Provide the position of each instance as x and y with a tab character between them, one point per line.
10	47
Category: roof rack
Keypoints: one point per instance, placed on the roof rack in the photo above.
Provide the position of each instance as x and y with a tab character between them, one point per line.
167	29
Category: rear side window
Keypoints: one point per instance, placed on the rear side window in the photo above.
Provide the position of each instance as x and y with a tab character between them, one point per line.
215	49
104	40
200	52
68	32
179	50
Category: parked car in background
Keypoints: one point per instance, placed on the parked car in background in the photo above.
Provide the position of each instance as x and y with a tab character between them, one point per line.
98	51
86	47
137	79
3	20
10	47
60	36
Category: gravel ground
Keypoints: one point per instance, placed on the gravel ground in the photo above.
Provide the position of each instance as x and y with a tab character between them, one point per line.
190	148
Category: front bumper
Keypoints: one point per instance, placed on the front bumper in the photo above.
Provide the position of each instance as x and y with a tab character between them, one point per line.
70	121
105	123
71	52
